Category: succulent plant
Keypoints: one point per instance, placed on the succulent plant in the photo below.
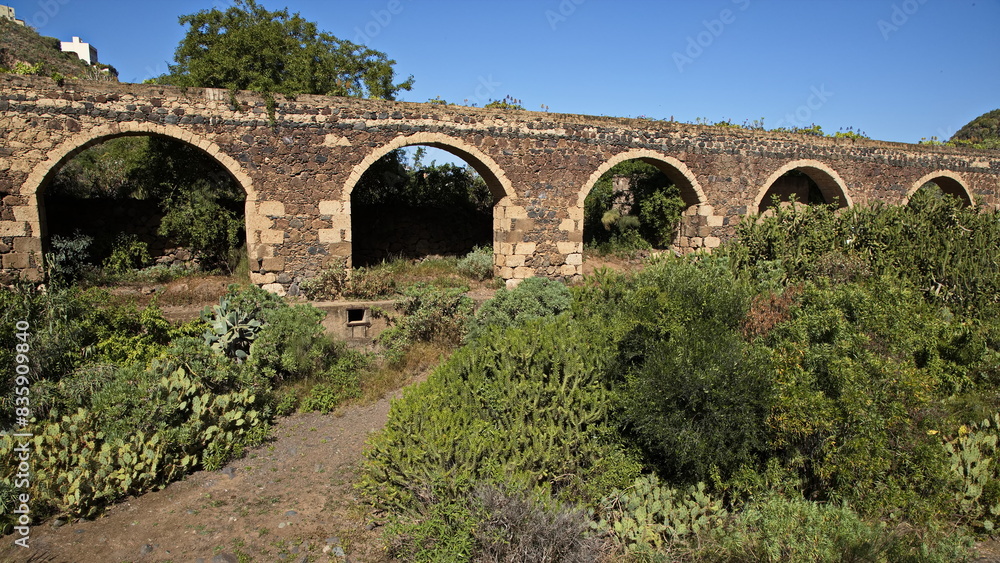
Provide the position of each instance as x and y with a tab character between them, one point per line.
231	330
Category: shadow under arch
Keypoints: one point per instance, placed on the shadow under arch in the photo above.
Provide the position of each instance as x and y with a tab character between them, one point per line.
949	182
675	170
40	176
830	184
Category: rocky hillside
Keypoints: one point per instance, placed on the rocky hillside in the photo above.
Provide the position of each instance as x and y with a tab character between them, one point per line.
23	44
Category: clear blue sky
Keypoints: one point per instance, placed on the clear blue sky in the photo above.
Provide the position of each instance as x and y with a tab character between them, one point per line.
897	69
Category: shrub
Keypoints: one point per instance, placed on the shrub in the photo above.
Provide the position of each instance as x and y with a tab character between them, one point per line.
477	264
127	254
526	405
67	258
362	283
692	394
533	298
516	527
780	529
199	218
428	314
650	517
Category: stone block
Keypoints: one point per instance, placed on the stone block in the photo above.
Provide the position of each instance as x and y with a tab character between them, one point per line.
575	213
567	271
272	208
13	228
714	221
514	261
261	279
272	236
16	260
706	210
31	274
506	273
275	288
515	212
523	272
712	242
262	251
25	213
28	245
568	247
276	264
330	236
574	259
512	283
331	207
567	225
526	248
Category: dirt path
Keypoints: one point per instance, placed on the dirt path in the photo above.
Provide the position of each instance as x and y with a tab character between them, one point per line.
291	499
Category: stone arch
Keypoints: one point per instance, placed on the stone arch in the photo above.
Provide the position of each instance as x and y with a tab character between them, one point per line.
485	166
491	172
949	182
42	172
830	184
674	169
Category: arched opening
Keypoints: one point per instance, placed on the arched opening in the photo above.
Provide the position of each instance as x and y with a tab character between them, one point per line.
126	205
942	184
806	182
640	199
424	195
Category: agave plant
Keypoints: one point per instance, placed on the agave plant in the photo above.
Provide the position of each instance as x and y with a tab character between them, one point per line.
231	330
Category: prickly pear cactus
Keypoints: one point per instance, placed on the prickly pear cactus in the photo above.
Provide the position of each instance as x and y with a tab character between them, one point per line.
654	516
972	456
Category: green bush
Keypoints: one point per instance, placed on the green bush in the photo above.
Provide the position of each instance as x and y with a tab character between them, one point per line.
427	314
533	298
67	258
693	394
933	243
650	517
478	264
779	529
524	406
198	218
336	282
127	254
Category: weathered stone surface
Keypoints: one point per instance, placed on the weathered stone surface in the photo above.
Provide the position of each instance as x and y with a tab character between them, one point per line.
299	172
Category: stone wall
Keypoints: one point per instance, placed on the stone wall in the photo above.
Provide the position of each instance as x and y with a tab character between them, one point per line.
299	171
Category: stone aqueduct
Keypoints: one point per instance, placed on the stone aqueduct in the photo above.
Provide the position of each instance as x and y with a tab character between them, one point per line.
298	171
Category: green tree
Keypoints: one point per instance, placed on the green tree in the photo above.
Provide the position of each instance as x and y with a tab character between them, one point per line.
247	47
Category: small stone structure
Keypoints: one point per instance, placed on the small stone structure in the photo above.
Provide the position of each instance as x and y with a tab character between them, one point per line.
299	165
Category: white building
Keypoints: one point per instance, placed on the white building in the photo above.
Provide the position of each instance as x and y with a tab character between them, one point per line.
7	13
85	51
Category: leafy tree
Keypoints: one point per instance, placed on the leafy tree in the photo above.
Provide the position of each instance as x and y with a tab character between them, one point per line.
247	47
